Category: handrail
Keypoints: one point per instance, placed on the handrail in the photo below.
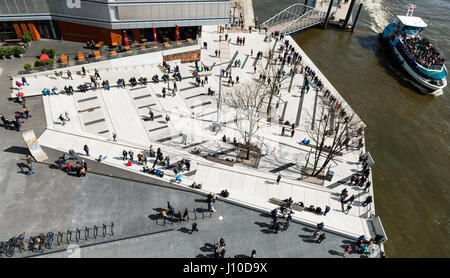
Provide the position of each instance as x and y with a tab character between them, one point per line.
293	27
267	22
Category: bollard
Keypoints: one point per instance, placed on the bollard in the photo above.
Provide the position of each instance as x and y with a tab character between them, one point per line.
95	231
195	214
69	236
86	233
203	213
58	241
77	234
164	221
112	226
210	214
104	230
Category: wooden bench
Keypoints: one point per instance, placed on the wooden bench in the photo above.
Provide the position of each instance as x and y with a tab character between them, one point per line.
155	46
189	40
143	40
280	203
63	60
113	53
114	44
97	55
80	56
178	42
166	44
99	44
143	47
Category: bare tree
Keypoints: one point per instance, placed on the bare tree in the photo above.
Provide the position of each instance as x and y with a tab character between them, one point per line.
332	135
274	80
247	100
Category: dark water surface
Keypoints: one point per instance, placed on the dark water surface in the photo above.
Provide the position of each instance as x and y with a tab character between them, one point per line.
407	132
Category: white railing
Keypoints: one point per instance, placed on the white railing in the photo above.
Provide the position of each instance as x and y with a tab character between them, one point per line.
298	16
291	13
307	20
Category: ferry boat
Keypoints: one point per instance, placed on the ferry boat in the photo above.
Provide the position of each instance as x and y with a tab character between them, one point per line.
415	53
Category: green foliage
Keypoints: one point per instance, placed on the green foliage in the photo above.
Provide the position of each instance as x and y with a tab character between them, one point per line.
2	51
9	51
27	66
40	63
18	50
26	37
49	51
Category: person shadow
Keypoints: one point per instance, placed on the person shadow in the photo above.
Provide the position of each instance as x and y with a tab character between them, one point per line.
335	253
22	166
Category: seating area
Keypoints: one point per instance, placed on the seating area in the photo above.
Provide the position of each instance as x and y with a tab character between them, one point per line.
297	206
80	56
64	60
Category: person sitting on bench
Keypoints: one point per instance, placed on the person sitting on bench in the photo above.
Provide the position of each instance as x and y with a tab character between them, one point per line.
225	193
319	210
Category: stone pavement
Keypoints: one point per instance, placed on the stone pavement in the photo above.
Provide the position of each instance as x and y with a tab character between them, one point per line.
95	115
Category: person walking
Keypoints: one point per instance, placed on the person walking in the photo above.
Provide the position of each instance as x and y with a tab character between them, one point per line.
320	226
30	165
347	250
315	234
26	112
327	209
278	178
282	131
253	255
67	116
348	209
24	81
292	132
86	150
124	155
83	70
321	238
194	228
114	135
63	121
69	75
367	201
186	215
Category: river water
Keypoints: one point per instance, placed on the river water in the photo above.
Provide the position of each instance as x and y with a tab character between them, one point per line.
407	132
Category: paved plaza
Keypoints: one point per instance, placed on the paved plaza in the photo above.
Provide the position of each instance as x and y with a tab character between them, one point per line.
96	116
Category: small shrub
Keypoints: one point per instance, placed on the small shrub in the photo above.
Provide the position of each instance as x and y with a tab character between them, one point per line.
2	52
51	52
18	50
26	37
9	51
39	63
27	66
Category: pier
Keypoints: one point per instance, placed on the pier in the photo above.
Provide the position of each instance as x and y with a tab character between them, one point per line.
300	16
199	120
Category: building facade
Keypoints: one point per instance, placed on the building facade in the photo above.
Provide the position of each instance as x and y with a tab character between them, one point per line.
105	20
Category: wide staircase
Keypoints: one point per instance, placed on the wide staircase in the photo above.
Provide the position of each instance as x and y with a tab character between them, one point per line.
294	18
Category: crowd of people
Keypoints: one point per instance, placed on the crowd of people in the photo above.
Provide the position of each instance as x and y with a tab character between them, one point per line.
423	51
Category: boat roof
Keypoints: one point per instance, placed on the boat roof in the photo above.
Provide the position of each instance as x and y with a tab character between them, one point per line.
413	21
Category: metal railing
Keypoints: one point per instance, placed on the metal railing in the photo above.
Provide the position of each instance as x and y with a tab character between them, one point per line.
291	13
309	19
106	55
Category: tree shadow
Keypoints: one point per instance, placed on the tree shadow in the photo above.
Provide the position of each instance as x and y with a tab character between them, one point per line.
18	150
242	256
335	253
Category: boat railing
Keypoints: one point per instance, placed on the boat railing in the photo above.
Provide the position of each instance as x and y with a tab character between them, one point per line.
430	67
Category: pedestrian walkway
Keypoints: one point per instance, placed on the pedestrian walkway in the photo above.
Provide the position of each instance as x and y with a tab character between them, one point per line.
192	114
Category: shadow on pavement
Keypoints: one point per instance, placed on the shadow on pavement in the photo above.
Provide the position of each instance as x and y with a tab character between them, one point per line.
335	253
19	150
